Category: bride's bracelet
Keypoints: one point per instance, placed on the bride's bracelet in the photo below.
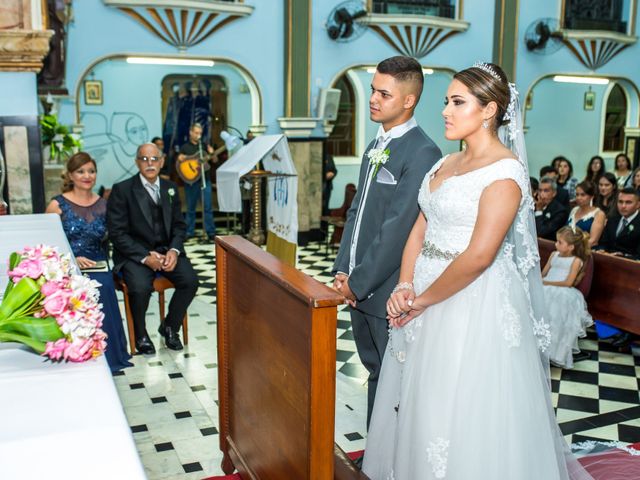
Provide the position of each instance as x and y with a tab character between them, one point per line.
402	286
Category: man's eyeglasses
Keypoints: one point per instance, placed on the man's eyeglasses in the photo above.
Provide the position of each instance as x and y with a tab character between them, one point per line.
149	159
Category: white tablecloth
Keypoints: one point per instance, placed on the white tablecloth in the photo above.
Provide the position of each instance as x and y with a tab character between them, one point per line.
57	421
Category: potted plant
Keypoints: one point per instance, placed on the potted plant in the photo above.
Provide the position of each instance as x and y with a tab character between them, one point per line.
57	139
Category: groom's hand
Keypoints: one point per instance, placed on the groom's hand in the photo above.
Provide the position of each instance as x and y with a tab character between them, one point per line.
341	284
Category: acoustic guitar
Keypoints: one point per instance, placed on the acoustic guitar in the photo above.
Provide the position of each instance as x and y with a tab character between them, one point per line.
190	167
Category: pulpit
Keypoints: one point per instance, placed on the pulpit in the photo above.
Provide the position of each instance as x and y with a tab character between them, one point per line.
277	368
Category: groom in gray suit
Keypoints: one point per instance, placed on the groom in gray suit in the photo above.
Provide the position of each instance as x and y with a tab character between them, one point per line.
385	208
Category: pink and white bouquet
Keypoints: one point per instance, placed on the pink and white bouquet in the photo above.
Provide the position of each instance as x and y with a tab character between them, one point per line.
50	307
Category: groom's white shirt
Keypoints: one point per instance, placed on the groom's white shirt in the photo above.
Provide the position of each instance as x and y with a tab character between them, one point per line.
382	141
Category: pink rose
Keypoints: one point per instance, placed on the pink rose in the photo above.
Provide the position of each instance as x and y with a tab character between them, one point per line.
32	268
55	350
57	302
50	287
79	350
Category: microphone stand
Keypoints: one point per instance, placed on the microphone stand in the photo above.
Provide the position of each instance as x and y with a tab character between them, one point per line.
203	186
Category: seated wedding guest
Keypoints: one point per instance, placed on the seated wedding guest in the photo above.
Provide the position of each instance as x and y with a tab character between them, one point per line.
551	215
147	231
595	169
622	234
555	163
585	215
83	215
165	172
622	170
565	179
607	194
561	194
566	308
635	179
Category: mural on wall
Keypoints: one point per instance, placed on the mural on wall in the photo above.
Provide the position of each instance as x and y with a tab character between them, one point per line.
115	139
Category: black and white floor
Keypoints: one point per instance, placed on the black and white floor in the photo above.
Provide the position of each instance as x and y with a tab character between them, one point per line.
170	398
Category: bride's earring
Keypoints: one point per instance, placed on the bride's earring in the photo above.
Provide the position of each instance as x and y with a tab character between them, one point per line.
485	124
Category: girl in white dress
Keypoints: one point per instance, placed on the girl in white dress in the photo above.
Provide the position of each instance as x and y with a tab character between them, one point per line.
463	393
566	309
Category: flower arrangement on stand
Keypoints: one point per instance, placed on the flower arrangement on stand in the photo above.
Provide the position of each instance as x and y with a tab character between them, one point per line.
50	307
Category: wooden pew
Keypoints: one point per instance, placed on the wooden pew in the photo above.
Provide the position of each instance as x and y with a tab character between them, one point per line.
615	291
276	368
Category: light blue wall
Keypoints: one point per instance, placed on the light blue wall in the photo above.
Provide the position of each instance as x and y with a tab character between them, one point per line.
329	58
428	114
256	42
18	94
132	112
559	125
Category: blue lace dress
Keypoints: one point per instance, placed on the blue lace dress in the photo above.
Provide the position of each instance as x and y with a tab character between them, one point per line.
86	230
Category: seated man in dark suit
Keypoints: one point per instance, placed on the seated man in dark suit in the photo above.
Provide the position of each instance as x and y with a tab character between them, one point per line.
551	215
561	194
147	230
621	235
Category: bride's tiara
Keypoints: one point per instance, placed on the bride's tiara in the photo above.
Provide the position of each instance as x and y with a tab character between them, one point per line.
487	68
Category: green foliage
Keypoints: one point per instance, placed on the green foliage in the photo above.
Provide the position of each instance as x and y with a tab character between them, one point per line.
57	137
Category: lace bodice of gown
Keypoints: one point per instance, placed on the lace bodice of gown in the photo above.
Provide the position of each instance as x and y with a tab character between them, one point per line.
85	227
452	209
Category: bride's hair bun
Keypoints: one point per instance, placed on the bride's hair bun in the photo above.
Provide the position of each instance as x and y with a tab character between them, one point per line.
488	83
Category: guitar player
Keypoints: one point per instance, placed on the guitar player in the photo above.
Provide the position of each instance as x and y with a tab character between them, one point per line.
198	188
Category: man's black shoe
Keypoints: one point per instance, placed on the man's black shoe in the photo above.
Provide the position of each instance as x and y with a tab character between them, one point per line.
145	346
171	338
621	340
577	357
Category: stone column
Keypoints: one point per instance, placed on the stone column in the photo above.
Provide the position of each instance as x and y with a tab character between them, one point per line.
24	43
505	36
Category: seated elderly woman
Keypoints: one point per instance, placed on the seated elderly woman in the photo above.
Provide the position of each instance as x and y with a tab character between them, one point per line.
84	222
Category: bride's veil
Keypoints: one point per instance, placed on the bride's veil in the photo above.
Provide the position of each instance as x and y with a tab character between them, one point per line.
522	236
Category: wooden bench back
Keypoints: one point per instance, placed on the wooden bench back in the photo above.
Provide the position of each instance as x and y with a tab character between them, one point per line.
614	296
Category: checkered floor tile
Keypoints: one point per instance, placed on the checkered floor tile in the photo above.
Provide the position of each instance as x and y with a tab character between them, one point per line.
170	398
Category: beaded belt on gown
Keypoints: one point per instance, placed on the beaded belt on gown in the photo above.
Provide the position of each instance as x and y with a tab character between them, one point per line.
429	250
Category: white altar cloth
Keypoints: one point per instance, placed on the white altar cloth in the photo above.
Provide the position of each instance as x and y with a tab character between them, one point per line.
57	421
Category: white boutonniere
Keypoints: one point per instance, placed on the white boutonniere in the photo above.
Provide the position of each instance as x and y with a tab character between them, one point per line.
171	193
548	215
630	228
378	157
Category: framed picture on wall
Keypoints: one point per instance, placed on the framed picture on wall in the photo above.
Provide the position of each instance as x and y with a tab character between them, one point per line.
93	92
589	100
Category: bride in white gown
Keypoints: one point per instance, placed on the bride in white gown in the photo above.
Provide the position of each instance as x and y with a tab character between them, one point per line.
464	392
